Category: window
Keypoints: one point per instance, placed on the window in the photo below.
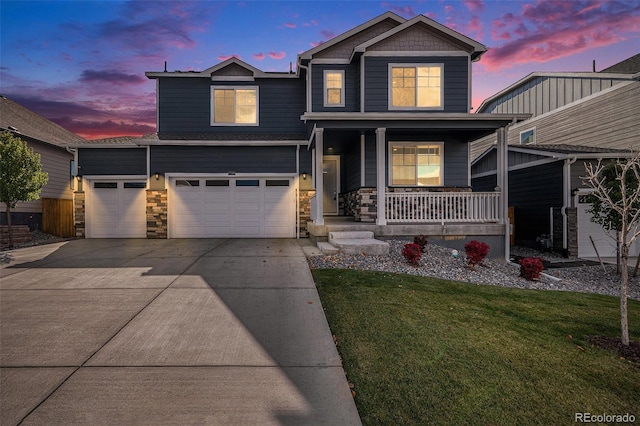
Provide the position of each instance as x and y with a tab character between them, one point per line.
234	106
334	88
105	185
187	182
248	182
415	86
416	164
528	137
135	185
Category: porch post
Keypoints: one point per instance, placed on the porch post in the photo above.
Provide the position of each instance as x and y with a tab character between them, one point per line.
318	177
503	183
381	175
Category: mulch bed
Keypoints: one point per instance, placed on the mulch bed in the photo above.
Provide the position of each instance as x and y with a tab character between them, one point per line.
614	344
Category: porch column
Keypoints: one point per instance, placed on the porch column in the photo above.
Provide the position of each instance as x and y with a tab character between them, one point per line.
381	175
318	177
503	182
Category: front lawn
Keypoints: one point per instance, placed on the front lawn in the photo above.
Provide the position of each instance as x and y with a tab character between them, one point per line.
427	351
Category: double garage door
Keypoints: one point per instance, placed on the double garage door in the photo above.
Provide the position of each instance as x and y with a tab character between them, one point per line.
231	207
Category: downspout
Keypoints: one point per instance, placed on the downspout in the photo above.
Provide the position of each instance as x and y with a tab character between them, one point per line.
566	200
307	78
297	201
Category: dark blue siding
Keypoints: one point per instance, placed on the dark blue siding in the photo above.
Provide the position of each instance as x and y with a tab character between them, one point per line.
112	161
185	106
532	191
484	184
351	168
456	81
352	87
223	159
370	162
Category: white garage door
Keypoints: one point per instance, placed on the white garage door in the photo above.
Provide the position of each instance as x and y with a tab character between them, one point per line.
604	241
116	209
235	207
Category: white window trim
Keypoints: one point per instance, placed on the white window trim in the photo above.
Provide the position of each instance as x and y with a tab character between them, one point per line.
212	102
414	65
533	142
324	89
390	163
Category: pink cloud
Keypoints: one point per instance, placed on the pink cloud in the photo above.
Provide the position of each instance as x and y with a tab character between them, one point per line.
290	25
258	56
448	9
277	55
316	43
474	6
327	34
225	57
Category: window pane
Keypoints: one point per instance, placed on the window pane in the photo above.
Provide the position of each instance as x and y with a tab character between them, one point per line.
185	182
135	185
403	97
429	97
246	106
248	182
334	96
224	106
334	80
404	175
277	182
105	185
217	182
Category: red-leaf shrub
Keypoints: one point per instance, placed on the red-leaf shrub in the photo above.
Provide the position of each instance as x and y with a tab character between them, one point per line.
476	252
530	268
412	253
421	240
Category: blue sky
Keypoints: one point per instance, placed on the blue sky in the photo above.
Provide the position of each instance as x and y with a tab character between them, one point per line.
81	64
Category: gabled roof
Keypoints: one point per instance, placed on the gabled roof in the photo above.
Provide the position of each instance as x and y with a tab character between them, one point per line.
476	49
21	121
339	38
628	66
252	72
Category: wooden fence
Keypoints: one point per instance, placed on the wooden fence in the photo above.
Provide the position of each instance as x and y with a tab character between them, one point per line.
57	217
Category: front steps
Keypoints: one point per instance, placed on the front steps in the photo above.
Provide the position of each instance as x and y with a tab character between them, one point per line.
353	242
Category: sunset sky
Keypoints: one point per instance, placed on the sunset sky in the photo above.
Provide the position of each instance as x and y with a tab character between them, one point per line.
81	64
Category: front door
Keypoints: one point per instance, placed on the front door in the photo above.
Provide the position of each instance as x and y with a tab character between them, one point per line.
331	183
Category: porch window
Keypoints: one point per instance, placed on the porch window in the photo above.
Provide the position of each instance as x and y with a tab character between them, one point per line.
528	137
334	88
234	106
415	86
416	164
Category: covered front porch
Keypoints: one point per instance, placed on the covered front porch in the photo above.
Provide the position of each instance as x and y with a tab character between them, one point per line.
372	192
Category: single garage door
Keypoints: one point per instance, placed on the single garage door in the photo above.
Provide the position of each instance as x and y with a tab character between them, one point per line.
116	209
603	240
235	207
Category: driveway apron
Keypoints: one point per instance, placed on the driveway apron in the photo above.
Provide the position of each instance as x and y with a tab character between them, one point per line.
210	331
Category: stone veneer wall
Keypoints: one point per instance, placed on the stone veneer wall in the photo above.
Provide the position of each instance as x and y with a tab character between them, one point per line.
157	213
305	211
79	213
572	234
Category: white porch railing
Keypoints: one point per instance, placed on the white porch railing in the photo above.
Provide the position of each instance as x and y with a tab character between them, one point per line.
410	207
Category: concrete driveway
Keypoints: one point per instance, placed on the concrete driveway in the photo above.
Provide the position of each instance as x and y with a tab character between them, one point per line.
214	331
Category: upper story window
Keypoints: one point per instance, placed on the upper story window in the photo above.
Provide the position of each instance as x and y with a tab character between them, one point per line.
528	137
415	86
416	163
234	106
334	88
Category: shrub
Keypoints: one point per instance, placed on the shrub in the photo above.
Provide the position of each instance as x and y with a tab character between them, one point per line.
412	253
421	240
476	252
530	268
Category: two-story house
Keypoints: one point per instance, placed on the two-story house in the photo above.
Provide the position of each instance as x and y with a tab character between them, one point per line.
374	125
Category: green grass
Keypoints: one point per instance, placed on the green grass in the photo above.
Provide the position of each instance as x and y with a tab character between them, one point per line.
427	351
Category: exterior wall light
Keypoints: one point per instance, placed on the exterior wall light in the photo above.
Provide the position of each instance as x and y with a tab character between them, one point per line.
157	175
304	175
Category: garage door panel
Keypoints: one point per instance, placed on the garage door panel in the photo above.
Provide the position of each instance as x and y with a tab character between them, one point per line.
604	240
235	207
116	209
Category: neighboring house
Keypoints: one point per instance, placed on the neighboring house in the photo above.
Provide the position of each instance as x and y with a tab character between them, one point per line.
599	109
373	125
549	196
49	140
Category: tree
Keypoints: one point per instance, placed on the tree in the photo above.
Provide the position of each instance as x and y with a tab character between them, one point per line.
21	175
616	206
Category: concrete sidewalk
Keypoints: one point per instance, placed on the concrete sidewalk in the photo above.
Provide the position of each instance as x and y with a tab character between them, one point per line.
166	332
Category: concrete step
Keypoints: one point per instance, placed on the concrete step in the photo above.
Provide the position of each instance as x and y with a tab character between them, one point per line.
327	248
350	235
361	246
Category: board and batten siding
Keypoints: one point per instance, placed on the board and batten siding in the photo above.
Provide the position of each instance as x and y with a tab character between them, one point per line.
456	81
112	161
56	162
352	87
184	105
546	93
223	159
